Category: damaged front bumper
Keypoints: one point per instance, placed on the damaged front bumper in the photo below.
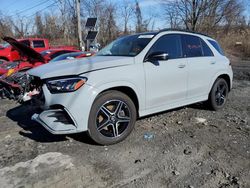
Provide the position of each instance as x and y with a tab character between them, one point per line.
66	113
56	121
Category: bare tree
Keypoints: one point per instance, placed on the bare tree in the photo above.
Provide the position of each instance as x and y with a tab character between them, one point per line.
200	14
21	26
127	13
39	25
5	26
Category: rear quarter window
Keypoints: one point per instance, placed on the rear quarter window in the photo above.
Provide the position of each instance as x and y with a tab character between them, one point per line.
216	46
206	50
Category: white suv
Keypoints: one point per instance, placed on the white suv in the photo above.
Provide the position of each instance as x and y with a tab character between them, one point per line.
134	76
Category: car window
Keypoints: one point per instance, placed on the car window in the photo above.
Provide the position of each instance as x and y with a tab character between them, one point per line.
25	42
206	50
38	44
192	46
170	44
66	56
59	53
216	46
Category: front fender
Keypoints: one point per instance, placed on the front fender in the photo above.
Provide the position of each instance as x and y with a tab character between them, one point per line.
109	85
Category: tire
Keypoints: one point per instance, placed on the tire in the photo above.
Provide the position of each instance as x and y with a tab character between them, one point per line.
112	118
218	94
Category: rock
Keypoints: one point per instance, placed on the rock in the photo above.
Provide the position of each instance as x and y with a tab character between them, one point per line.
179	122
187	151
176	173
8	136
200	120
235	180
199	164
243	121
137	161
227	175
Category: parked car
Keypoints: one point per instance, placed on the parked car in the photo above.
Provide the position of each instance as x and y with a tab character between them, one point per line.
134	76
30	58
12	83
8	53
73	55
53	53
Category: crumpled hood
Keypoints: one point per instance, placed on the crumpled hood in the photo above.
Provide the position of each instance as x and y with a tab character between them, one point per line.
79	66
24	50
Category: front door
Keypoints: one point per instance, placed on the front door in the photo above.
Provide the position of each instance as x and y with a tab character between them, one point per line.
166	80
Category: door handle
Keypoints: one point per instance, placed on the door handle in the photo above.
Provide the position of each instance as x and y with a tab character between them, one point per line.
213	62
181	66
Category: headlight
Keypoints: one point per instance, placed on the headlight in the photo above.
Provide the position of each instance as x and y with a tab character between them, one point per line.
10	65
66	84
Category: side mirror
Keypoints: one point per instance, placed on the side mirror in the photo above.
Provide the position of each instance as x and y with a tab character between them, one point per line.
157	56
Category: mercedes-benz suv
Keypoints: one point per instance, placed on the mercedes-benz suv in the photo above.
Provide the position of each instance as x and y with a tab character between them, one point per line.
134	76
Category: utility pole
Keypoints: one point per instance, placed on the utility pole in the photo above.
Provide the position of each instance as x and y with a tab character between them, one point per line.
79	28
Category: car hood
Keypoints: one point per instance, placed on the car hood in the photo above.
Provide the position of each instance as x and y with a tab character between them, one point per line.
79	66
24	50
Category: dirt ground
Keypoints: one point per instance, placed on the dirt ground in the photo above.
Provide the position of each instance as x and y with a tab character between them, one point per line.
189	147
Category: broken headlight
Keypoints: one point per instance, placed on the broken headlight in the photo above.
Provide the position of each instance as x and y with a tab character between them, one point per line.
66	84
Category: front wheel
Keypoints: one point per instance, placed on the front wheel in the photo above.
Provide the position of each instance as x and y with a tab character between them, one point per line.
112	118
218	94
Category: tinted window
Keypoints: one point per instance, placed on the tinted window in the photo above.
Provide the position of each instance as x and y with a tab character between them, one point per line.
67	56
38	44
192	46
25	42
216	46
206	50
170	44
59	53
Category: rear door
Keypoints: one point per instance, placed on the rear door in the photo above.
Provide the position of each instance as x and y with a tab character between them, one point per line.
201	61
166	80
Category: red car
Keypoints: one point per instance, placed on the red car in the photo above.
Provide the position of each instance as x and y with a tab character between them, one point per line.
8	53
55	52
30	57
14	82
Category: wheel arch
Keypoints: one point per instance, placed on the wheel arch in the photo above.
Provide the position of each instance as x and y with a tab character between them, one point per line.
223	75
129	91
227	79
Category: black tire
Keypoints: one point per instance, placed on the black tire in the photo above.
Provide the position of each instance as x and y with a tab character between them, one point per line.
218	94
112	118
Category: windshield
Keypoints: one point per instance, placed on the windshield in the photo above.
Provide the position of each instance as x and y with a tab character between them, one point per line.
127	46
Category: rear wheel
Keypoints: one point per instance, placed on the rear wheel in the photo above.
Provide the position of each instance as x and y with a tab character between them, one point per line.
218	95
112	118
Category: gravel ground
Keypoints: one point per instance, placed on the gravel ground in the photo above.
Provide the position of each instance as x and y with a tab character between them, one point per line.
189	147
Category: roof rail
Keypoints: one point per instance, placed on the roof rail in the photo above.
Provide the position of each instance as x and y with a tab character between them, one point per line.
183	30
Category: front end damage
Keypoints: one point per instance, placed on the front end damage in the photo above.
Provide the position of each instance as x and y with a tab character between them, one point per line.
19	86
